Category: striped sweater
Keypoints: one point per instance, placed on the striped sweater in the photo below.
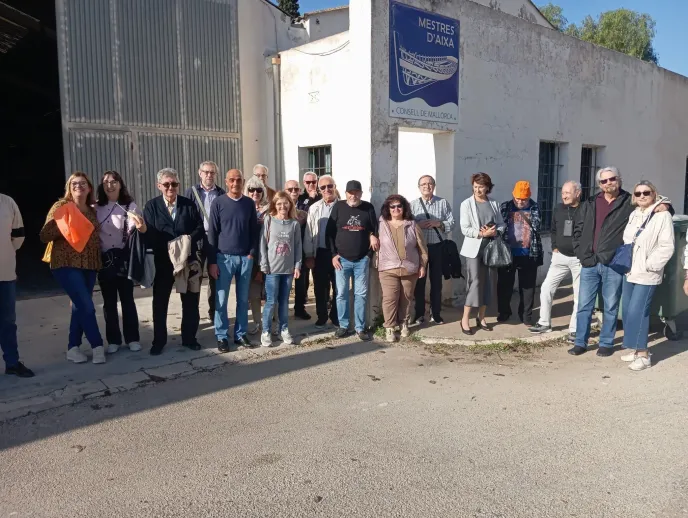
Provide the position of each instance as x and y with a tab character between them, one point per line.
11	237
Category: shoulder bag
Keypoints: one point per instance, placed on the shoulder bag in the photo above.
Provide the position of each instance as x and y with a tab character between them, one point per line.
623	257
451	261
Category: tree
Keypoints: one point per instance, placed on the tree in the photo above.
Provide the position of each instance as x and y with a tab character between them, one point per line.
622	30
291	7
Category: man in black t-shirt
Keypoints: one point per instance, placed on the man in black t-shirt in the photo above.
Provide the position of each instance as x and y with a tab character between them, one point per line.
351	235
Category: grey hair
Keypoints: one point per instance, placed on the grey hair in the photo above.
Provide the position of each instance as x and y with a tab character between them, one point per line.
427	176
328	177
210	163
260	166
310	173
256	183
610	169
169	172
576	185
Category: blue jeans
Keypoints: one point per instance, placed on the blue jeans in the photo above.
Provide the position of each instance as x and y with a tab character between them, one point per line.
359	271
8	322
277	288
591	278
238	268
637	299
78	284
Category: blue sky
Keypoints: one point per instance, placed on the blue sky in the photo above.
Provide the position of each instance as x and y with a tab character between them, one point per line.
671	42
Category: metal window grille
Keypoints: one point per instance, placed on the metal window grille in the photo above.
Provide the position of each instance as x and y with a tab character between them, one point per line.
319	160
588	171
548	178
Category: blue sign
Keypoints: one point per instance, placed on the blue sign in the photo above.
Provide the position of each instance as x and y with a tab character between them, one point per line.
423	65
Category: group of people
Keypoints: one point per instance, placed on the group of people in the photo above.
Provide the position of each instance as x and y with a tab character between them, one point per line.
616	243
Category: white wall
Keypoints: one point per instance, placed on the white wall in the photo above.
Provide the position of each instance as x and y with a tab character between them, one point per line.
321	24
416	158
524	9
263	32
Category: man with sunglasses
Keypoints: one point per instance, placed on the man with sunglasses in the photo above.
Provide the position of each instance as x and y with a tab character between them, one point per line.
311	194
318	254
597	234
203	195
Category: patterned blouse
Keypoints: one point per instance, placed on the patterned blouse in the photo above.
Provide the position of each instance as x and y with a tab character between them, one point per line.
63	255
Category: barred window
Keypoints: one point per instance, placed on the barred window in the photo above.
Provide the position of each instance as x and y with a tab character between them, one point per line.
319	160
589	166
548	181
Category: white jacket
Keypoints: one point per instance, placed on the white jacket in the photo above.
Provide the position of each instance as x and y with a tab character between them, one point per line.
312	234
470	226
654	246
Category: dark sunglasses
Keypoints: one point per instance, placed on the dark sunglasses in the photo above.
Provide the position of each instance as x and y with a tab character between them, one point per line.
327	187
310	182
167	185
638	194
259	190
396	206
293	189
612	179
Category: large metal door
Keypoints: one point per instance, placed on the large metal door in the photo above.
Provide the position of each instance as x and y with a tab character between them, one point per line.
147	84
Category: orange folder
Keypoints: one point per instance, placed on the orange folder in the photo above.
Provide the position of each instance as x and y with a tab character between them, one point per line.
73	225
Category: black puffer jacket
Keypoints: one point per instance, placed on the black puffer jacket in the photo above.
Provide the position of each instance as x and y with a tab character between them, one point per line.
611	233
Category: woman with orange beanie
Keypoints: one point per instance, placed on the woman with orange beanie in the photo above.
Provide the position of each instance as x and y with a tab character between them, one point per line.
71	231
522	217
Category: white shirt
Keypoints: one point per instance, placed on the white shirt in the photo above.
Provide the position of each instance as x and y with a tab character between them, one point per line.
173	212
10	223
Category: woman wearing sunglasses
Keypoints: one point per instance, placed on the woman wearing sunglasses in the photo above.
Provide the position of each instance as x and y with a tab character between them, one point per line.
402	259
651	236
255	190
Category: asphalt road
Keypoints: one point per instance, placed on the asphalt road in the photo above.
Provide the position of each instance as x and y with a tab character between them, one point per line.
363	431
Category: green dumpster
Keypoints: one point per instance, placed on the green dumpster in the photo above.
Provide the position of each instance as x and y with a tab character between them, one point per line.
669	300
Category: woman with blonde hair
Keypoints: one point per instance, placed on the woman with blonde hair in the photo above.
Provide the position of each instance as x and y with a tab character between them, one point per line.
280	262
71	231
649	243
255	189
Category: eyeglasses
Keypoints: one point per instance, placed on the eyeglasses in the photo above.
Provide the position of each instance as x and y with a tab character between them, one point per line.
167	185
639	194
293	189
310	182
79	184
612	179
426	184
212	173
396	206
259	190
110	182
327	187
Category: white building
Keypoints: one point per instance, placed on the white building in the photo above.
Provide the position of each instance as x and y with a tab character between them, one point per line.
534	104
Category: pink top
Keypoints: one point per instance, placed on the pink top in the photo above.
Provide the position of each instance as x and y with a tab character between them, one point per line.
111	218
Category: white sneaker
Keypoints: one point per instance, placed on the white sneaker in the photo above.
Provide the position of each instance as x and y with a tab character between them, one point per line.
75	355
640	363
254	329
134	346
112	348
265	339
390	335
286	337
99	354
629	356
405	331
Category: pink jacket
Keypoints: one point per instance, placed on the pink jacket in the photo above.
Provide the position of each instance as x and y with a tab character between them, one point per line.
388	256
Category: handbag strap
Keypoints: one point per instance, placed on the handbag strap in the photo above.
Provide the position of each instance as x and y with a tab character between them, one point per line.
642	227
200	203
427	215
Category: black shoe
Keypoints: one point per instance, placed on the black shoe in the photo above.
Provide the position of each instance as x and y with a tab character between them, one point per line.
468	331
605	352
480	326
223	346
420	321
364	336
302	315
341	333
503	317
19	370
577	350
156	350
243	341
571	338
194	346
539	329
437	320
320	323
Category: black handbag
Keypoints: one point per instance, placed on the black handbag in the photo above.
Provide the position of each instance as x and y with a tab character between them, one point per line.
497	254
451	260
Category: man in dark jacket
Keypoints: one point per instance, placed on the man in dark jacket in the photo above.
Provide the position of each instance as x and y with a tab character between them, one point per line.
203	195
597	234
168	217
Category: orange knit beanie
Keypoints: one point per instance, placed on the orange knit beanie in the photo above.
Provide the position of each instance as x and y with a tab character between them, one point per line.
522	190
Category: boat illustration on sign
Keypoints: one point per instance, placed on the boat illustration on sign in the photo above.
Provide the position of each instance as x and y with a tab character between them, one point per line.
415	71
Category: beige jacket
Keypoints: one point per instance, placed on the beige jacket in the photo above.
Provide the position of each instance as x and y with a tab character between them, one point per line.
187	274
653	248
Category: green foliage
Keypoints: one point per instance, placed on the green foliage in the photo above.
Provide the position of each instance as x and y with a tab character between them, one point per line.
291	7
622	30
